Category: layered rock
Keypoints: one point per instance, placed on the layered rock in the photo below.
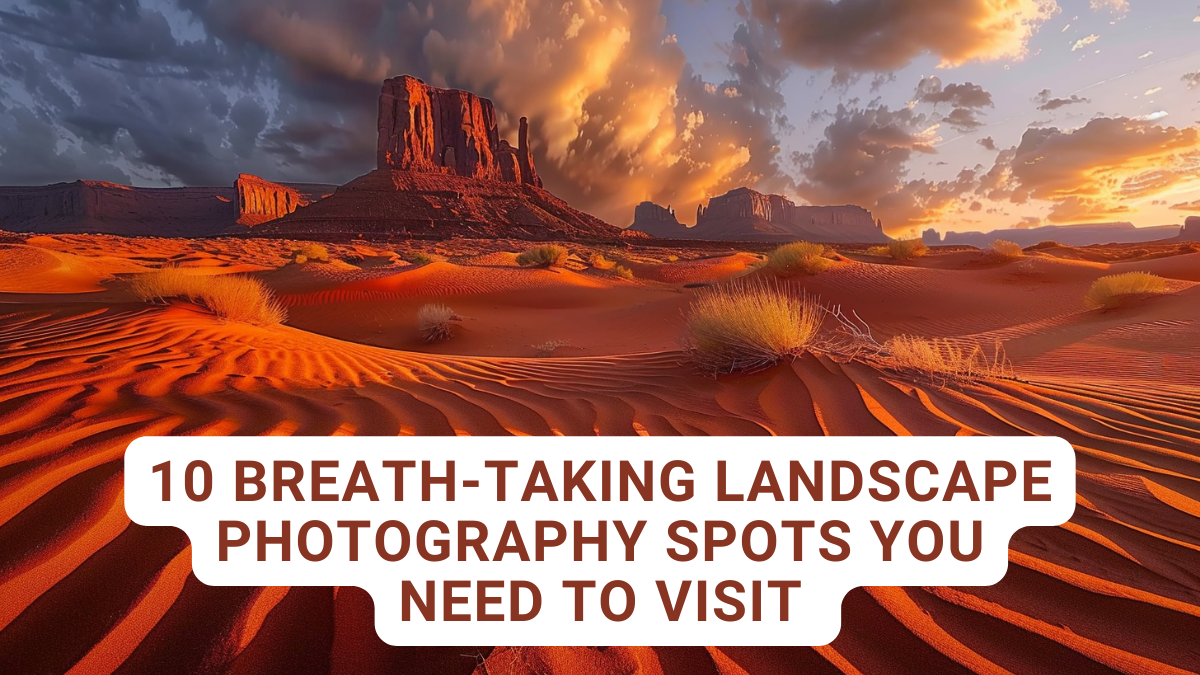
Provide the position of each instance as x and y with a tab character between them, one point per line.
1088	234
748	215
261	201
425	129
440	206
106	208
657	221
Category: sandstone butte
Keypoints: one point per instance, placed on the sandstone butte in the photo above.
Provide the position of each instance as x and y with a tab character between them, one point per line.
744	214
442	172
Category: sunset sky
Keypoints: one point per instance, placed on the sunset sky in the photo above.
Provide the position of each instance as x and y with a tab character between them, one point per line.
953	114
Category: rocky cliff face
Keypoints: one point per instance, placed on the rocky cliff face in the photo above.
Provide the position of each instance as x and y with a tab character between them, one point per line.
261	201
1070	235
447	131
748	215
106	208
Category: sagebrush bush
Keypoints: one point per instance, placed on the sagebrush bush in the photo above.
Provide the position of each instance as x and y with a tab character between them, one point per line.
598	261
747	326
907	249
1004	251
547	255
231	297
798	258
311	253
944	359
1108	291
434	321
420	259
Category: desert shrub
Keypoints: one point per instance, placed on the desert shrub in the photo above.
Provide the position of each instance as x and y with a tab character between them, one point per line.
434	322
907	249
231	297
672	258
944	359
546	255
598	261
547	348
311	253
420	259
1005	251
798	258
623	272
747	326
879	251
1108	291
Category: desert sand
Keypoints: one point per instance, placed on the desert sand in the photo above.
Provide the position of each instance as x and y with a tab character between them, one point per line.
85	368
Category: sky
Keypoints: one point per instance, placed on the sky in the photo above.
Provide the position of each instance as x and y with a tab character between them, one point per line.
955	115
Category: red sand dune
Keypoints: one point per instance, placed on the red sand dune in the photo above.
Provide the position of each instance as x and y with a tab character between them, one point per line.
85	373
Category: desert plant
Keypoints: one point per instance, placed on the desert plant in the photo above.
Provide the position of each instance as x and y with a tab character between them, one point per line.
546	255
420	259
231	297
623	272
311	253
1004	251
747	326
945	359
434	322
547	348
672	258
598	261
907	249
1045	245
1107	292
797	258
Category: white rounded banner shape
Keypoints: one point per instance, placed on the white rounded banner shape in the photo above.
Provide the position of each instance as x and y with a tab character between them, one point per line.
705	540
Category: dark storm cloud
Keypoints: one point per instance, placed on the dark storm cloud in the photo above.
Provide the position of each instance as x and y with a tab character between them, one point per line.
194	91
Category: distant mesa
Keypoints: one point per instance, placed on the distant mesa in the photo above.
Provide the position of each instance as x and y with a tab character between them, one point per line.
1068	235
444	172
1191	229
106	208
744	214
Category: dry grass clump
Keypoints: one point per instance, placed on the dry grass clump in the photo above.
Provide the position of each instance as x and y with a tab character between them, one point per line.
1108	291
231	297
311	253
944	359
623	272
907	249
420	259
747	326
598	261
1005	251
801	257
547	255
434	321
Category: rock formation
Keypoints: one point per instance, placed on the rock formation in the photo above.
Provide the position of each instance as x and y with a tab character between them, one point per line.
1190	230
106	208
657	221
748	215
429	130
1069	235
444	173
261	201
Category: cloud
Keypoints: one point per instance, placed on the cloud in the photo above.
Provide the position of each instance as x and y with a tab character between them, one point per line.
289	88
930	90
1048	102
863	160
1093	172
1083	43
1187	206
1192	80
884	35
988	143
1115	6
